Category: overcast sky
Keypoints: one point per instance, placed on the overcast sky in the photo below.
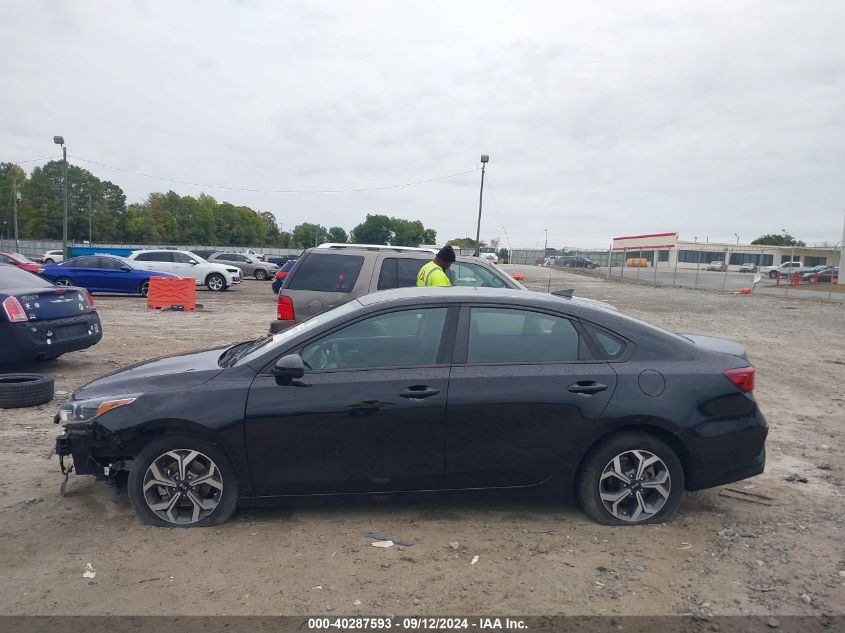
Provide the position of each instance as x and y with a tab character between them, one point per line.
601	119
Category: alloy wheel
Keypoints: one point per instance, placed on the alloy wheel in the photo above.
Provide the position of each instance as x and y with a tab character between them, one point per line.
215	282
182	486
635	485
63	281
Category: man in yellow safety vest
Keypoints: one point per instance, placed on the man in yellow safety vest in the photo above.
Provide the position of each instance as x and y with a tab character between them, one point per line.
434	272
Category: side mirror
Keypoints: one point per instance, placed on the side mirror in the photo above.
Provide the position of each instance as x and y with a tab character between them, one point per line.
193	262
289	367
125	268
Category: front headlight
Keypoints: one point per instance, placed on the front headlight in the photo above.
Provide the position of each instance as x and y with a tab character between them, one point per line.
84	410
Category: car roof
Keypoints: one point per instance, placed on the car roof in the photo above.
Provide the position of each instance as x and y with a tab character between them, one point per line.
459	294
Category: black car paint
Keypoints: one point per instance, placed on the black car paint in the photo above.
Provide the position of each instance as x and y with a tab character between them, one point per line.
348	431
60	318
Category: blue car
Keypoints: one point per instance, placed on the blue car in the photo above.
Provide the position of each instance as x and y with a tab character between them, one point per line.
102	273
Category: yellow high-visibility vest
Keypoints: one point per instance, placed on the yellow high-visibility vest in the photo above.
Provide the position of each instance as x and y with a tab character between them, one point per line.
432	275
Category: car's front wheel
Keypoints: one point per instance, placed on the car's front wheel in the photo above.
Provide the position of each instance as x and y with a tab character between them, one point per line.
773	274
63	281
182	481
215	282
49	260
261	275
631	478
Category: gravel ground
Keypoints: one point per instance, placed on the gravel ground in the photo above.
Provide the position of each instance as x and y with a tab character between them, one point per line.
718	556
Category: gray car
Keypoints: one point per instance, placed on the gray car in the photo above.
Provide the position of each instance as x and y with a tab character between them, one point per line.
331	275
250	265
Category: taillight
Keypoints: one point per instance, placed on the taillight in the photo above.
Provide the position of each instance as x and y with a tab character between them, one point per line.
284	308
90	299
14	310
742	377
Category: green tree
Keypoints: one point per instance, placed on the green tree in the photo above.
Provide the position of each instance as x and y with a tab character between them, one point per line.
307	235
381	229
464	242
778	239
337	235
375	229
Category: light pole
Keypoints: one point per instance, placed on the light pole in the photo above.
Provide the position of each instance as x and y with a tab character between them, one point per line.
16	195
546	245
59	140
484	160
737	238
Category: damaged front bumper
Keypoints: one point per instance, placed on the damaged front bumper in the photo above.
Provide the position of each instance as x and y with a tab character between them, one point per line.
93	449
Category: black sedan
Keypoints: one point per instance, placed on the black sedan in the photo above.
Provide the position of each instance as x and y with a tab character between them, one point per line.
40	321
428	389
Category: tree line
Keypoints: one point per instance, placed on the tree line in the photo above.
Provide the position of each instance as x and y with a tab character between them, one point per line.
168	218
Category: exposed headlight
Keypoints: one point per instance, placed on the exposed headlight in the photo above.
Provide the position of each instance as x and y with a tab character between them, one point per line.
233	270
84	410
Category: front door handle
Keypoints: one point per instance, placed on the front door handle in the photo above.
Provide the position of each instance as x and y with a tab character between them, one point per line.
586	387
418	392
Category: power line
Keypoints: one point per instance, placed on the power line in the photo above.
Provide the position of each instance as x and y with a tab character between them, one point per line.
33	160
501	221
285	191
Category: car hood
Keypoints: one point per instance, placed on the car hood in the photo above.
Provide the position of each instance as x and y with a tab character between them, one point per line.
181	371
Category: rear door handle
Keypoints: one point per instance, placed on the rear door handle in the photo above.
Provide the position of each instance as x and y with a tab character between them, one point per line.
418	392
586	387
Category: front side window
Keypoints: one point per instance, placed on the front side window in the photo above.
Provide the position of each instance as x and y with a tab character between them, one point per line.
182	258
464	274
503	335
327	273
398	339
110	264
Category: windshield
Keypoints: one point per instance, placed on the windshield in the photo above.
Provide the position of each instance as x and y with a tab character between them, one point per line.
266	344
21	258
508	276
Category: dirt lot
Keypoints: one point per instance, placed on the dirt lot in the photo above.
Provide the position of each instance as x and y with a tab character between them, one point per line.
719	556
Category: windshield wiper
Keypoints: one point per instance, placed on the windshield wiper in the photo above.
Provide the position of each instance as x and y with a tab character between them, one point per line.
225	359
246	350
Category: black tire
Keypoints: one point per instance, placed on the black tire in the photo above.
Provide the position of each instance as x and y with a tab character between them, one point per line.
156	450
589	478
215	282
48	261
63	281
25	390
773	274
261	275
144	288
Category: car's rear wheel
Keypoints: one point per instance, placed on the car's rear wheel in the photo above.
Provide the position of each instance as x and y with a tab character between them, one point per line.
631	478
49	260
261	275
182	481
145	288
773	274
215	282
63	281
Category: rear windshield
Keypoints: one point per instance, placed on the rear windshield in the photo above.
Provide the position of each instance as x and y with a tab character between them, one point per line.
12	277
327	273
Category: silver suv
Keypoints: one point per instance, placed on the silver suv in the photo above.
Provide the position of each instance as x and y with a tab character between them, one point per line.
250	265
333	274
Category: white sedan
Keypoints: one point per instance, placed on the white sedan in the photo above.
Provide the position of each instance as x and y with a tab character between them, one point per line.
186	264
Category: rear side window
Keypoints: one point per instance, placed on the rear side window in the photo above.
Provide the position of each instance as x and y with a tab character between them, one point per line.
158	256
327	273
610	346
80	262
399	272
503	335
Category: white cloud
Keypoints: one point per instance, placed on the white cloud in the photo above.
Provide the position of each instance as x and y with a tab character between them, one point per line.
600	119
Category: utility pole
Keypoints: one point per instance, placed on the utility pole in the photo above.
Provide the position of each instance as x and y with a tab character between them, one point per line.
842	255
60	140
484	160
546	245
15	209
90	218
